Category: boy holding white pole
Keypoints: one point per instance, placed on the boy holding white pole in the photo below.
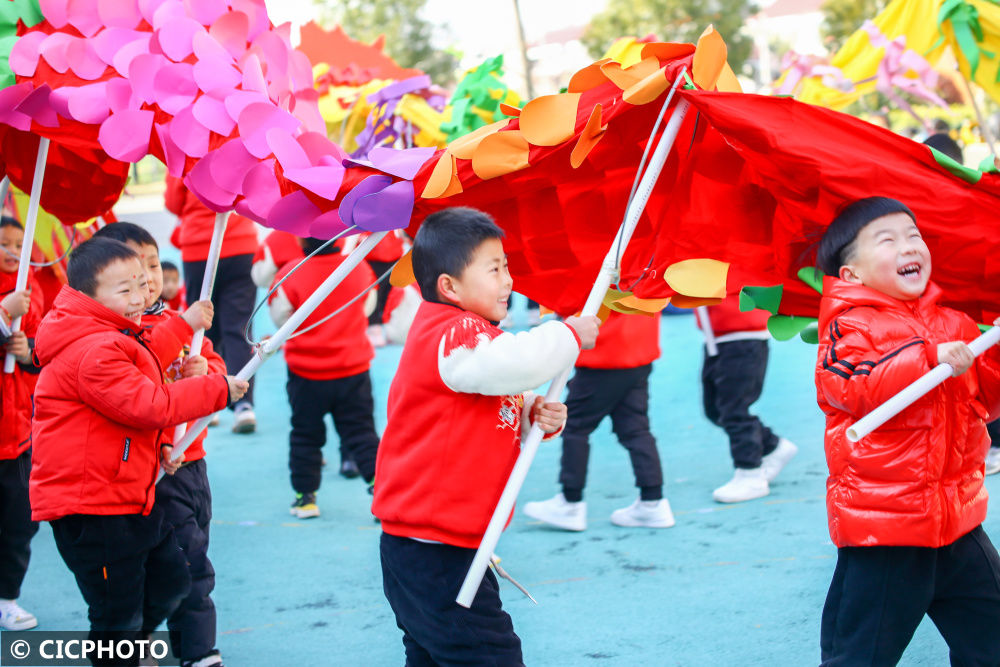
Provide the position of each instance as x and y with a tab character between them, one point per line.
905	503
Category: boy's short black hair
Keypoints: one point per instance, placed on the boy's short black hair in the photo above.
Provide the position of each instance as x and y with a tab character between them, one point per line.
311	245
127	232
946	145
445	243
837	243
8	221
90	258
167	265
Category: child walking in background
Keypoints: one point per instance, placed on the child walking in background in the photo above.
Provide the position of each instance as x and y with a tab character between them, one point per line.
906	502
173	288
327	371
732	380
100	408
184	496
16	526
457	413
611	380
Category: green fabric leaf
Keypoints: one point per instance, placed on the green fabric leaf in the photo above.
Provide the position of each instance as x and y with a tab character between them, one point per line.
813	277
26	10
786	327
810	334
765	298
988	166
956	168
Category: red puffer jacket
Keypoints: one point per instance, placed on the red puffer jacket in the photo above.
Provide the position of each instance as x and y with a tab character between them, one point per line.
100	407
918	479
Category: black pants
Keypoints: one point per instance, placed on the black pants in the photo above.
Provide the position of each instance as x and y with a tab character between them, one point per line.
421	582
129	569
879	595
233	297
731	382
349	401
186	500
16	526
993	428
382	290
622	393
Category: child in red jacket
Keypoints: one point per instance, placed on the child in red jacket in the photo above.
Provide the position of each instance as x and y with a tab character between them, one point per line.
327	371
905	503
612	380
173	289
16	526
184	494
100	409
456	410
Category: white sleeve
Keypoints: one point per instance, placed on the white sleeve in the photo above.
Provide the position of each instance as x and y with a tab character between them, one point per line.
280	307
262	271
508	364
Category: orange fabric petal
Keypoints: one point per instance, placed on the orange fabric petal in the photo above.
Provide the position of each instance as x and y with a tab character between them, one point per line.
589	137
465	146
509	110
628	77
499	154
550	120
703	278
644	306
648	89
666	51
440	178
728	83
682	301
709	59
402	273
589	77
603	313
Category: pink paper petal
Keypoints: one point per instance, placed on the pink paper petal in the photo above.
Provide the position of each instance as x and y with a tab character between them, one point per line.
294	213
142	73
54	11
232	164
243	208
166	12
215	74
118	14
199	180
206	48
323	181
123	58
388	209
261	189
111	40
174	87
254	122
316	145
253	76
189	135
286	149
53	50
148	9
206	12
256	13
239	100
59	100
173	156
176	37
84	61
125	136
37	105
231	31
89	104
305	107
211	113
326	226
368	186
300	70
274	52
10	98
24	55
120	97
82	15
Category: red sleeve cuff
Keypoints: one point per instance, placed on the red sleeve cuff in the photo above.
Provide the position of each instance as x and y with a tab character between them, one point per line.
579	343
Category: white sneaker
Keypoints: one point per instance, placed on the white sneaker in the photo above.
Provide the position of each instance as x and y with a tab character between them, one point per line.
559	512
13	617
644	514
778	459
746	484
244	419
215	420
993	461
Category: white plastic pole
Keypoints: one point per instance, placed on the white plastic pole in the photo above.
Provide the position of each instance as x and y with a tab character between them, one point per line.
4	189
207	284
701	312
274	343
907	396
24	268
609	271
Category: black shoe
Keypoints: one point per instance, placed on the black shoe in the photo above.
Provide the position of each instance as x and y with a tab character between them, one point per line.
349	469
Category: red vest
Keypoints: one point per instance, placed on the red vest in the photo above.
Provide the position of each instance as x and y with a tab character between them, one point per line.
726	318
197	222
624	341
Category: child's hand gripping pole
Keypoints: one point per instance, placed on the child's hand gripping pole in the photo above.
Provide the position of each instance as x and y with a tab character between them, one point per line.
274	343
915	390
207	284
609	271
24	268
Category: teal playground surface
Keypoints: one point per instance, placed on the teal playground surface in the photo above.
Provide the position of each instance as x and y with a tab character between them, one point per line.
728	585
